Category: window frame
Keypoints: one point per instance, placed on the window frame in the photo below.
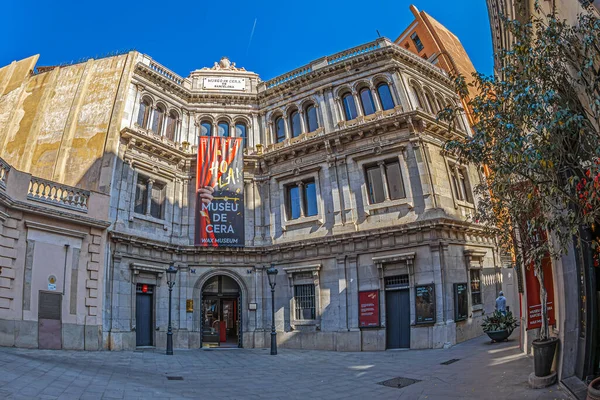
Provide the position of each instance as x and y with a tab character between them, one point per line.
308	301
225	125
417	42
479	292
289	179
278	138
370	98
158	117
387	85
295	113
206	123
304	275
307	116
461	186
345	109
302	199
164	184
384	179
147	111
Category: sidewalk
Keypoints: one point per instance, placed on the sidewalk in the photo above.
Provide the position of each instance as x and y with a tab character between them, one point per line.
483	371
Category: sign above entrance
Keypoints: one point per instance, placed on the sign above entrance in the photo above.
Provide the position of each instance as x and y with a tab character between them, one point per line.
225	82
368	302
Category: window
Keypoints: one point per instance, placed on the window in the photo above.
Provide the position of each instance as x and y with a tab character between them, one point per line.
366	99
171	125
240	131
295	123
475	275
144	113
205	128
304	301
349	107
312	123
417	93
156	191
301	199
417	41
385	96
279	130
387	172
158	120
223	129
459	183
430	103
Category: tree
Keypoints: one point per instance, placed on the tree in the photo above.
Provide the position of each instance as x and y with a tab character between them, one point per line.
537	133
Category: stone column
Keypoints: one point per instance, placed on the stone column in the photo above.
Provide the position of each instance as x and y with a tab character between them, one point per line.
271	134
405	175
352	289
357	103
149	196
136	105
302	121
386	190
285	126
336	195
301	197
378	106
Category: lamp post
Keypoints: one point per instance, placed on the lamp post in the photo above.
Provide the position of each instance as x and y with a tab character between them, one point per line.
171	271
272	275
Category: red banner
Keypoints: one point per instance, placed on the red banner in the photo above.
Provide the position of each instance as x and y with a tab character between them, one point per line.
534	305
219	192
368	303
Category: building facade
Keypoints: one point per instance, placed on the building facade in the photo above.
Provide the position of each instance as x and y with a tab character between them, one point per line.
347	191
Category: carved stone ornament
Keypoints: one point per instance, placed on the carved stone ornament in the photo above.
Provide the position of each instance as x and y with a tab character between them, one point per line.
225	65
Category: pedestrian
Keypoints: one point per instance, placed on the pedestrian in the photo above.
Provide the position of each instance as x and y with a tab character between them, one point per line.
501	303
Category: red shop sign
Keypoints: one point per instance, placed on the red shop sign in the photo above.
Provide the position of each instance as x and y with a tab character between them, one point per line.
368	314
534	305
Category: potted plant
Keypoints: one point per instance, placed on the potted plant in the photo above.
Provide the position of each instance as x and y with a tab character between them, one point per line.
499	325
593	392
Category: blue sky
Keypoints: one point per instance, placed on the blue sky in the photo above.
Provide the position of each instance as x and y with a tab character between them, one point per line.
186	35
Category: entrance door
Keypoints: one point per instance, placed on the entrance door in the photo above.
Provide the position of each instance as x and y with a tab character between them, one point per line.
221	313
143	316
49	321
397	310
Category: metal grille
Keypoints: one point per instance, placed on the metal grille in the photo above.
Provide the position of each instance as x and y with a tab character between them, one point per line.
396	281
50	306
475	287
399	382
304	299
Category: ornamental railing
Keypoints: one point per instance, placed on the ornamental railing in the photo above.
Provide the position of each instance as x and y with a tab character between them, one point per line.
353	52
4	169
165	72
289	76
57	194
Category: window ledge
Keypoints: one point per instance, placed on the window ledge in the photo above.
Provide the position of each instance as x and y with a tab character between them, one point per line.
306	322
465	204
149	218
302	220
387	204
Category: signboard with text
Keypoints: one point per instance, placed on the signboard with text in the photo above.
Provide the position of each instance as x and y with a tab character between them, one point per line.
461	301
368	304
224	83
220	192
534	305
425	304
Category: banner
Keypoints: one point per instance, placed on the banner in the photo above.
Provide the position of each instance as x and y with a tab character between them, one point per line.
368	309
534	305
220	192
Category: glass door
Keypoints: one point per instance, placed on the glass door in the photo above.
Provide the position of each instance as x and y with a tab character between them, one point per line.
210	321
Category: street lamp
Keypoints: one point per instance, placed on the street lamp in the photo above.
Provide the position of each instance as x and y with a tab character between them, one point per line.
171	271
272	275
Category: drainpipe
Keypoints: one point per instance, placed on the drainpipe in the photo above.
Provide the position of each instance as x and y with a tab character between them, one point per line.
65	269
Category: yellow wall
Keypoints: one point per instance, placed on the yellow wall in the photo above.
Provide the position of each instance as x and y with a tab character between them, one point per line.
55	125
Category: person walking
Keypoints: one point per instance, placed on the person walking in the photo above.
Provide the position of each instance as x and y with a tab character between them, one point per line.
501	303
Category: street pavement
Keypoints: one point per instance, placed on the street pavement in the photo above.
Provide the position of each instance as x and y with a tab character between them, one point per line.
483	371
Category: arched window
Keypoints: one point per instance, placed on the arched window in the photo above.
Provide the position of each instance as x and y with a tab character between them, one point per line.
349	106
366	99
223	129
312	123
144	113
171	125
295	123
158	120
205	128
240	131
385	96
430	103
417	94
279	129
439	102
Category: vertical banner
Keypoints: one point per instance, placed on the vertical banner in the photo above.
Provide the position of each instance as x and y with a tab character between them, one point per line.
534	305
220	192
368	309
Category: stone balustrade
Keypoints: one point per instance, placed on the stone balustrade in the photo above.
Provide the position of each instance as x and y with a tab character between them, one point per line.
58	195
165	72
4	169
289	76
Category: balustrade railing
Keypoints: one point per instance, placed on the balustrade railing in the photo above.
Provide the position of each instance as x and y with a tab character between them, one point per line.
58	194
4	169
166	73
289	76
353	52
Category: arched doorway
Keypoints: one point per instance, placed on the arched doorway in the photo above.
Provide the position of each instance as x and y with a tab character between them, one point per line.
221	318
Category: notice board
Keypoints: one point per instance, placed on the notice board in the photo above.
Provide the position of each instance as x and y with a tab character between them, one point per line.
368	309
425	304
461	301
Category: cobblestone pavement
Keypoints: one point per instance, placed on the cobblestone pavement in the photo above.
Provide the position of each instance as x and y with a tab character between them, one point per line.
484	371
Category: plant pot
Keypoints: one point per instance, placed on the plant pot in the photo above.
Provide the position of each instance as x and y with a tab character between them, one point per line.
543	355
499	336
593	392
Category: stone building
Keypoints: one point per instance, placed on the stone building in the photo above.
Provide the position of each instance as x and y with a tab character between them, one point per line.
347	190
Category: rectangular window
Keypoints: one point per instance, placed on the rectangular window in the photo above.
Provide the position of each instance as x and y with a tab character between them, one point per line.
141	195
304	300
417	41
157	200
475	276
301	199
460	184
390	173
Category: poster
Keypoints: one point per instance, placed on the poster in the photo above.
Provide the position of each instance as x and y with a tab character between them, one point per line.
534	305
425	304
220	192
368	303
461	301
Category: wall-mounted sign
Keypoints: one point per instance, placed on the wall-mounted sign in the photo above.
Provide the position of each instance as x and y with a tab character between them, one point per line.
425	304
368	309
252	307
534	305
220	192
189	305
461	301
52	282
225	82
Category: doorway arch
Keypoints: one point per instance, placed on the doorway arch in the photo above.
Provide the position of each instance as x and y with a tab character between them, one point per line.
220	312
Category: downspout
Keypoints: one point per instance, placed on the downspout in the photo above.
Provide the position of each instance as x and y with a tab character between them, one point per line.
65	269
